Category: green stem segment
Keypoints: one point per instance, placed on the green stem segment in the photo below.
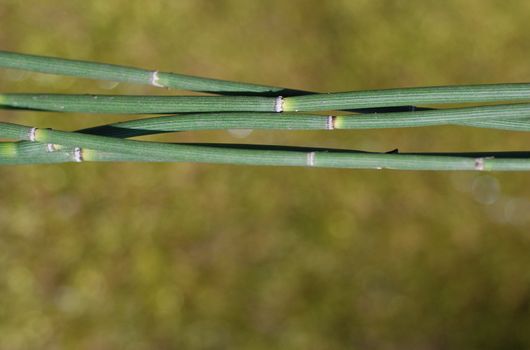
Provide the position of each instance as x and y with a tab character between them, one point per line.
317	102
137	104
407	96
91	147
500	116
93	70
28	152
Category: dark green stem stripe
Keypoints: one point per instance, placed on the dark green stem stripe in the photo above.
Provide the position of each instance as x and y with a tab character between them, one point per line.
112	72
119	104
407	96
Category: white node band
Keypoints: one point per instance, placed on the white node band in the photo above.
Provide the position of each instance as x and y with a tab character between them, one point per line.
311	159
154	80
32	134
330	123
78	154
278	104
479	164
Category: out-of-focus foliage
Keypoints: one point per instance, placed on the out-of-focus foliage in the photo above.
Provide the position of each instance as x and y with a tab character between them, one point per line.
142	256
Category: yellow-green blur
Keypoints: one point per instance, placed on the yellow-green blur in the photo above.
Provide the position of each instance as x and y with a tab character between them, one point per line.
197	256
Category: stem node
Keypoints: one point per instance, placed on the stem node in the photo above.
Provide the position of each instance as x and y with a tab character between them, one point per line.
78	154
311	159
278	104
479	164
32	134
154	80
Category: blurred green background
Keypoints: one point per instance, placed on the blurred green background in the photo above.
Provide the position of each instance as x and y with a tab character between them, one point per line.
186	256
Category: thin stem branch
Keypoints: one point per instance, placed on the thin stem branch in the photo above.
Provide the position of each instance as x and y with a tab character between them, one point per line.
102	71
407	96
127	104
499	116
471	116
112	72
89	147
120	104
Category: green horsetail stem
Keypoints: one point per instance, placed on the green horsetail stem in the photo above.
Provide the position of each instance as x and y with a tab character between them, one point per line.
407	96
102	71
23	153
484	161
213	121
127	104
325	158
88	147
522	124
288	121
470	116
94	70
120	104
26	152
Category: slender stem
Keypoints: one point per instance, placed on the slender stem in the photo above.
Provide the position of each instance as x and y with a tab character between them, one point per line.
406	96
473	116
287	121
125	104
93	70
26	152
316	102
470	116
89	146
212	121
102	71
513	125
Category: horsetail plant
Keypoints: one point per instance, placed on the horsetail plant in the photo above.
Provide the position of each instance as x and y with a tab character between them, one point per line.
257	107
101	71
87	147
119	104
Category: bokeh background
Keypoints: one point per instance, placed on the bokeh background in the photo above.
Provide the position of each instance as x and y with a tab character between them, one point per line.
187	256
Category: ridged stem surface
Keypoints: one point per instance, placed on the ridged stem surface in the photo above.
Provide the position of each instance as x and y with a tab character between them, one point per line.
407	96
128	104
102	71
89	146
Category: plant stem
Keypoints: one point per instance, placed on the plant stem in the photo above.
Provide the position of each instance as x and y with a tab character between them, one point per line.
90	146
522	124
286	121
102	71
318	102
125	104
212	121
407	96
25	152
93	70
470	116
